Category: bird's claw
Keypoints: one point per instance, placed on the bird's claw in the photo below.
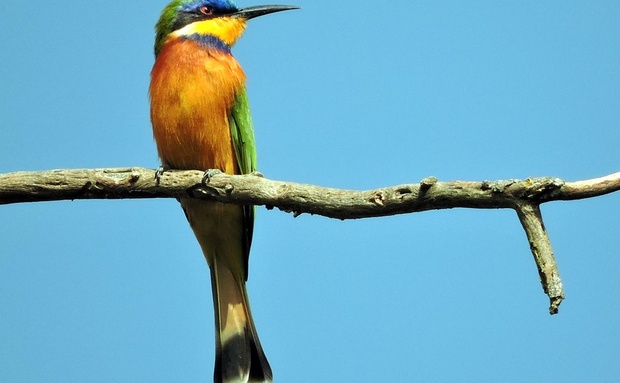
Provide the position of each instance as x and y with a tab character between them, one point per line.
160	172
206	178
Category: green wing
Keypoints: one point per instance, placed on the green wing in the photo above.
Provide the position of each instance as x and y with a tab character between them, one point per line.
242	133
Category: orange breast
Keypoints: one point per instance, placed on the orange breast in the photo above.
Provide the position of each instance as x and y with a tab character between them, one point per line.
192	92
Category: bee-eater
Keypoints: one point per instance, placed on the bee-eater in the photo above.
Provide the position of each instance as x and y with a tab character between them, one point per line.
201	120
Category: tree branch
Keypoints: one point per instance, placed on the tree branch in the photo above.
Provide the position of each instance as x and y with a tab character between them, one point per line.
524	196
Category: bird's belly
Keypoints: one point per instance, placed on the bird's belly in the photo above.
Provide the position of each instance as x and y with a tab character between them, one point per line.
189	141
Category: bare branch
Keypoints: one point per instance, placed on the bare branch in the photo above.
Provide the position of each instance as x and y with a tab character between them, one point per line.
524	196
429	194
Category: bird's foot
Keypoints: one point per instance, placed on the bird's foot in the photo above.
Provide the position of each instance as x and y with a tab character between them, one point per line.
160	172
206	178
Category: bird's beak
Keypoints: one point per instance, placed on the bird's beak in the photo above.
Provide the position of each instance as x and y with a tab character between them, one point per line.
260	10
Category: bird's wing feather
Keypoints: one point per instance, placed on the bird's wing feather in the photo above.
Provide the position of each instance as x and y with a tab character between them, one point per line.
242	133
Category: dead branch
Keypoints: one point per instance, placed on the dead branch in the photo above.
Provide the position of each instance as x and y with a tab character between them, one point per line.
524	196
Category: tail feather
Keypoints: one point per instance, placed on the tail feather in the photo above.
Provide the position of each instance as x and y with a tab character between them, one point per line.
260	370
239	356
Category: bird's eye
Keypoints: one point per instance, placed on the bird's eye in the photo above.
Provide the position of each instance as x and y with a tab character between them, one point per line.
206	10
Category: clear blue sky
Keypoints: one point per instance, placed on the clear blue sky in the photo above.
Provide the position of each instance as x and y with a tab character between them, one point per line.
349	94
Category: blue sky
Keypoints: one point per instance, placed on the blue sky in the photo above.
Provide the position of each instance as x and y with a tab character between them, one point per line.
349	94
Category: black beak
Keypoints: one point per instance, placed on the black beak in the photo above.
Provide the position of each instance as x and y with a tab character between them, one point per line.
260	10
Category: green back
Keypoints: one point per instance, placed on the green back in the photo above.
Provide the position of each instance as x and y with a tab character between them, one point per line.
242	133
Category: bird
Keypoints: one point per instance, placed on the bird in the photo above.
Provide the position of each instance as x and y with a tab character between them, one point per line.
201	120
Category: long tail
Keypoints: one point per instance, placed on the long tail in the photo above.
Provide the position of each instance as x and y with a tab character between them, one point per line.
239	357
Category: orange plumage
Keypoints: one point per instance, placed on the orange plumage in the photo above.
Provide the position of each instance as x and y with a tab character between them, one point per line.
192	92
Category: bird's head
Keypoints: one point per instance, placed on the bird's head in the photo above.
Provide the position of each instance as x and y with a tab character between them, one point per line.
219	18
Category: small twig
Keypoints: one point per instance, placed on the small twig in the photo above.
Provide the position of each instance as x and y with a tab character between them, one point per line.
531	219
591	188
